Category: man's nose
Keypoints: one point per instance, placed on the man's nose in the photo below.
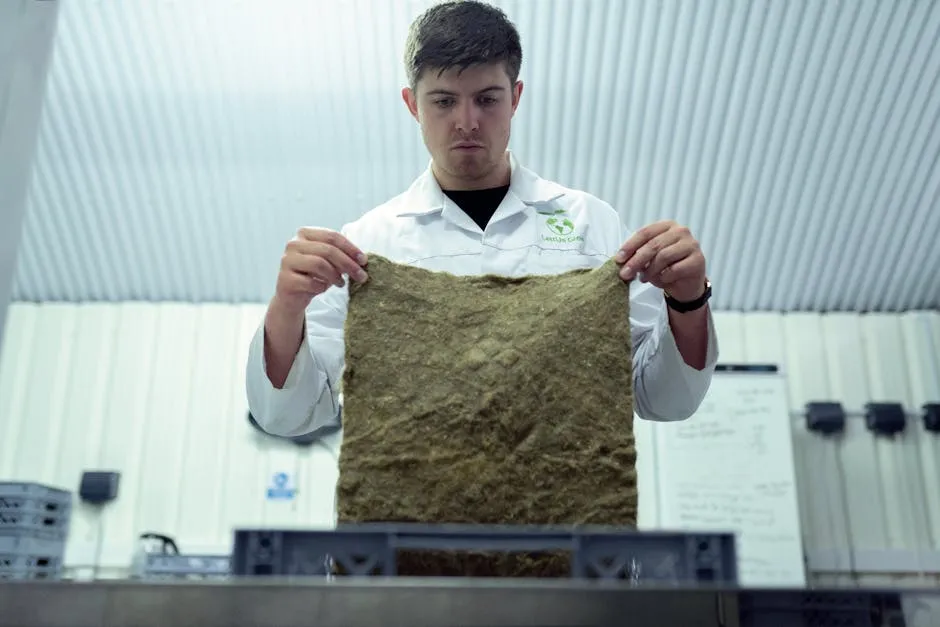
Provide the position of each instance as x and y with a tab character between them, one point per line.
468	118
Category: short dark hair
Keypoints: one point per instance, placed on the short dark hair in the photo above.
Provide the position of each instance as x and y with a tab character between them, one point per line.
459	34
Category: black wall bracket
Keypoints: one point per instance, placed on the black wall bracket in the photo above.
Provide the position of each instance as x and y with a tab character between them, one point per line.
885	418
99	486
825	417
932	417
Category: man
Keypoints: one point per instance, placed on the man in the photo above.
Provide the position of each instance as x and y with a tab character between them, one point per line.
476	210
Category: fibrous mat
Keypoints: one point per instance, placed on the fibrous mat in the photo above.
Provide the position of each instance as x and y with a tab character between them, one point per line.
491	400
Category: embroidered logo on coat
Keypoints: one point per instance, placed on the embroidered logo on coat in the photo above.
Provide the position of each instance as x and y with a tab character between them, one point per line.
560	228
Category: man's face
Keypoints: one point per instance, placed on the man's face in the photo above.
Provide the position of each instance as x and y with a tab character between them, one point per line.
465	119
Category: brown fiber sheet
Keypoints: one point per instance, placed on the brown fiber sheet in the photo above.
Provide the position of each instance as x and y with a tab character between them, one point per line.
487	400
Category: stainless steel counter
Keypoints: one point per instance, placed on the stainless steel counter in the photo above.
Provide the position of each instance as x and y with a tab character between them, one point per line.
388	602
410	602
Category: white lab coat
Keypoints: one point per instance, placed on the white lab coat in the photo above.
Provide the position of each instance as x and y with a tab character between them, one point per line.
540	227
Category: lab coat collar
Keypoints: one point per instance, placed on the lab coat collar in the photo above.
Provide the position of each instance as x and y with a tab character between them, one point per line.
526	189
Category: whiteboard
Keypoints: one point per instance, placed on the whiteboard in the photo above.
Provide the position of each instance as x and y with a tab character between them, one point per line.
730	468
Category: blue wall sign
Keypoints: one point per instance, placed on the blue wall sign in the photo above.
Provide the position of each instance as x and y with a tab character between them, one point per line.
281	487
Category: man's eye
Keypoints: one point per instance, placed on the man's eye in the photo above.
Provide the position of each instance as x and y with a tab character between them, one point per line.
444	102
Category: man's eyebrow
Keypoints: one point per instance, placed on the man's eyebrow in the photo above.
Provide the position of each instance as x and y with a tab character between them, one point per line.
445	92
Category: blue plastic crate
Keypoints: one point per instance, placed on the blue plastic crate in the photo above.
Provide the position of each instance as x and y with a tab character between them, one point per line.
595	552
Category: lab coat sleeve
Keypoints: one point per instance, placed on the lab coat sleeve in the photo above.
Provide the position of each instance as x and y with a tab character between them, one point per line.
666	388
309	401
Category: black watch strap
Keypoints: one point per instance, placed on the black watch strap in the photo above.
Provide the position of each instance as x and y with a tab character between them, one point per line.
692	305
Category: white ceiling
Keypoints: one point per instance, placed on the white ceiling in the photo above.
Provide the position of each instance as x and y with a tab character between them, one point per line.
182	143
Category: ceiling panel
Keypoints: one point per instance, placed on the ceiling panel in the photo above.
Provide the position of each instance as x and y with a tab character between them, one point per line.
183	143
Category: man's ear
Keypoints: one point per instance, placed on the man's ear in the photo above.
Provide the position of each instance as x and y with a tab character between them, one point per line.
516	95
411	101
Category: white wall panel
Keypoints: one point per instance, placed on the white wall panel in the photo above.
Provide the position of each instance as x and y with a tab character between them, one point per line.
900	483
156	392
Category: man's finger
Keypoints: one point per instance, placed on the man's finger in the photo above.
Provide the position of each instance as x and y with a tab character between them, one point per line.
648	252
301	283
343	263
668	256
317	267
333	238
686	268
641	237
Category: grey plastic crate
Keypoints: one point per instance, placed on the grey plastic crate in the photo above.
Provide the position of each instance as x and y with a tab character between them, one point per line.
34	509
595	552
23	544
24	519
21	494
30	574
160	566
31	559
30	562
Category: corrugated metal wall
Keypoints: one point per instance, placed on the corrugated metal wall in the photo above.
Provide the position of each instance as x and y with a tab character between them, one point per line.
156	392
183	143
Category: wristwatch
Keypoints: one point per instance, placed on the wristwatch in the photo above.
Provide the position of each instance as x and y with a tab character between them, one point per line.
691	305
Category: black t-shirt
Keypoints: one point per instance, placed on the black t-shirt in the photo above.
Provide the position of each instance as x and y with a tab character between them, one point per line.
479	204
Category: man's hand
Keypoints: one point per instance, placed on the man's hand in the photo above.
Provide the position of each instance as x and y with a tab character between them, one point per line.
313	261
666	255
